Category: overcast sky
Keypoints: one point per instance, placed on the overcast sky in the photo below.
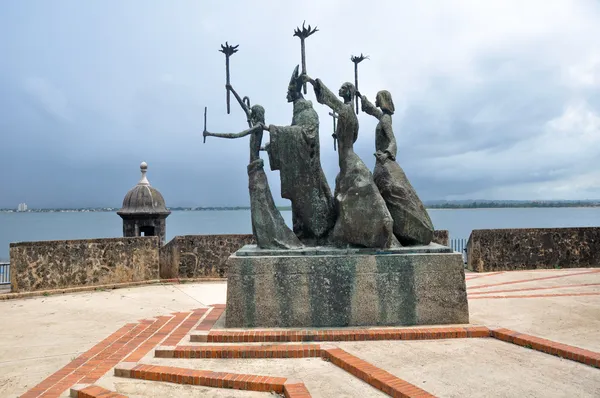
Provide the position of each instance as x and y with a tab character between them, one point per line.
495	99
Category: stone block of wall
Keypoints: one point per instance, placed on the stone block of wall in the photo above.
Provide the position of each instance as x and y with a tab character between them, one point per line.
533	248
68	263
441	237
195	256
169	260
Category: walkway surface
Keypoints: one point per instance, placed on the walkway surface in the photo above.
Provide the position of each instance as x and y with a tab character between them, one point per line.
532	333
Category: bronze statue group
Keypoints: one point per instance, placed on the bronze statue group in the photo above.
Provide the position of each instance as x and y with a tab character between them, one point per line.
373	210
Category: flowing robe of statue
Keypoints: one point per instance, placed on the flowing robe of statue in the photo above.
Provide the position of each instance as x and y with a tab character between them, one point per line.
363	218
295	151
268	226
412	224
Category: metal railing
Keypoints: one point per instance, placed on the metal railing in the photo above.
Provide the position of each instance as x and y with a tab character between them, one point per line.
460	245
4	273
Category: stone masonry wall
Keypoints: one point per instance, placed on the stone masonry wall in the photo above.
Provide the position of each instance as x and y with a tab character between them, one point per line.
539	248
68	263
195	256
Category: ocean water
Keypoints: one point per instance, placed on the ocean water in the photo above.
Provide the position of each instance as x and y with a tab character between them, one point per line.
19	227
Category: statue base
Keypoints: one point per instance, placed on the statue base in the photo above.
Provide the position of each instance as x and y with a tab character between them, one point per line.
330	287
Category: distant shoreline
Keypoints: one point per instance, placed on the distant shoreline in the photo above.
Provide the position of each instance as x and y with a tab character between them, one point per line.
440	206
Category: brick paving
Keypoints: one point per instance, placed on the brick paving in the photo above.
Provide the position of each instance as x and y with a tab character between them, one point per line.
130	343
125	349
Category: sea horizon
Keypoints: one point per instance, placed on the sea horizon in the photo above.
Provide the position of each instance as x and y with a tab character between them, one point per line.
429	205
73	225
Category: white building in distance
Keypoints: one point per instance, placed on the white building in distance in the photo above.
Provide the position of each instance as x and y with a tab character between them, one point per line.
22	207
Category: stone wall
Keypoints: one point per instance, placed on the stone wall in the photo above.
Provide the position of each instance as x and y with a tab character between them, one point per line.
539	248
69	263
60	264
195	256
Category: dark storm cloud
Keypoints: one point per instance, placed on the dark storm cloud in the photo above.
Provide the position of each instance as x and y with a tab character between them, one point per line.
494	99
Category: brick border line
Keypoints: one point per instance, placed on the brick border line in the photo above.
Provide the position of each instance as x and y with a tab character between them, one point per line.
240	351
134	340
211	318
111	286
206	378
185	327
534	288
522	296
565	351
532	279
57	376
105	363
97	366
93	391
157	337
276	336
371	374
376	377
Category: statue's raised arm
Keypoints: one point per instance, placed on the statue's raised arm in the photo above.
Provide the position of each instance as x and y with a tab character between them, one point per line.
324	95
244	133
368	108
240	100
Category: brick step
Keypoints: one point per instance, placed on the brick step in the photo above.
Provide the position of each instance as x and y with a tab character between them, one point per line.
275	336
92	391
586	357
376	377
251	343
370	374
241	351
209	378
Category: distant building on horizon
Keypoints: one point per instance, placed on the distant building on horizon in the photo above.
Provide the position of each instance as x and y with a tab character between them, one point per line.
22	207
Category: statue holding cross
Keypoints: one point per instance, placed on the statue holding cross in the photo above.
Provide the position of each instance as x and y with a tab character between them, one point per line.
295	151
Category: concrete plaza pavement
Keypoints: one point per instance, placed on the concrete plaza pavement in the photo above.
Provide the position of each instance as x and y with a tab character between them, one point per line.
43	334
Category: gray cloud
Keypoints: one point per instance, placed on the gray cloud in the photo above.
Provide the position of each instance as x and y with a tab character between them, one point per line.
495	99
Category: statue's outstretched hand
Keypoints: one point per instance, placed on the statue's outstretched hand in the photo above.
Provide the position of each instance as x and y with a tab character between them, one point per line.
306	79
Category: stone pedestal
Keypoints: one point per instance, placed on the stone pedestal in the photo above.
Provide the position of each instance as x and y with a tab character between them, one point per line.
327	287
